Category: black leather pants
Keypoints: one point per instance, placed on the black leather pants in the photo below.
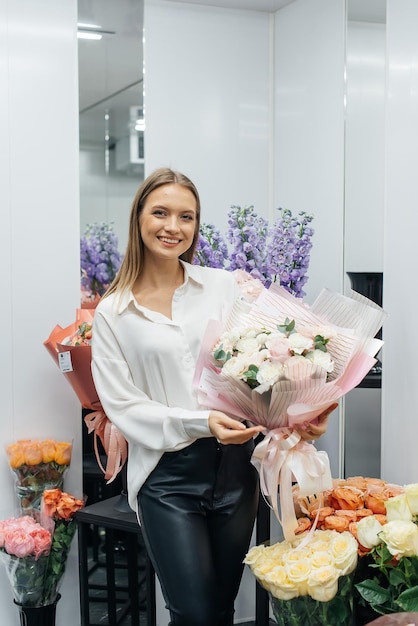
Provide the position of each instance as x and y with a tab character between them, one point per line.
197	510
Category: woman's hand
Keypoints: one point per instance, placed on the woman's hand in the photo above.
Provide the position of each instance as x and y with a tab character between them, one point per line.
316	429
228	430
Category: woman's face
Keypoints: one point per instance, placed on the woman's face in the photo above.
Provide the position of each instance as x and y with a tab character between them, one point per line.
168	221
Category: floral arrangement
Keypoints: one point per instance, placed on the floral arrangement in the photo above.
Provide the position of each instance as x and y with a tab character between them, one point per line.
74	343
261	357
278	254
279	363
308	582
82	336
100	259
387	581
37	465
35	552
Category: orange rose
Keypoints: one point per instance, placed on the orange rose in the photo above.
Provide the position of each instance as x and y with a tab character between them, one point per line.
359	482
351	516
335	522
48	450
376	501
362	513
304	523
349	498
60	505
63	453
323	513
33	453
16	454
353	530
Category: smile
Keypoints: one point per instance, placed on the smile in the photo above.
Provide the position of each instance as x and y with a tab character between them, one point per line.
168	240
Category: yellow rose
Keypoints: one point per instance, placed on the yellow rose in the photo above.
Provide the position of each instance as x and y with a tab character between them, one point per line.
344	551
16	454
297	572
321	559
63	453
368	530
254	554
48	450
323	583
398	508
280	586
411	492
400	537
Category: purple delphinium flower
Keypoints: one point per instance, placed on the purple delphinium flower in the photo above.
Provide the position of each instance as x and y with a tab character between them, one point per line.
211	249
247	232
100	258
288	251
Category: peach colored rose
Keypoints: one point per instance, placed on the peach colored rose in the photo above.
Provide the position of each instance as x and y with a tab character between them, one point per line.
360	513
324	512
304	523
351	516
333	522
375	501
347	498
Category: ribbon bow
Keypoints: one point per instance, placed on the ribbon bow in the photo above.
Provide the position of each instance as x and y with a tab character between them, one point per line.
281	458
113	442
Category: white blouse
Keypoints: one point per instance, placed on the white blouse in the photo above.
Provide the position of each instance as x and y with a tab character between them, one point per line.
143	366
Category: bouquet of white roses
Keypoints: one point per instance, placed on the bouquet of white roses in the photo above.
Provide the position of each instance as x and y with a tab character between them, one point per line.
309	584
279	363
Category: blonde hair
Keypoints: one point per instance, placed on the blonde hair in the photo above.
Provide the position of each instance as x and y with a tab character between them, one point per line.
132	264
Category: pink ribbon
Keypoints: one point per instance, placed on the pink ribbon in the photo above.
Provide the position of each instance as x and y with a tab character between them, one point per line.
113	442
281	458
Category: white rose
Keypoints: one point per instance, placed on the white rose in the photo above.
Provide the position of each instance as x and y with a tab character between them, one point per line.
299	343
368	530
344	550
280	586
397	507
323	583
297	572
269	373
247	344
235	366
255	553
411	492
400	537
321	358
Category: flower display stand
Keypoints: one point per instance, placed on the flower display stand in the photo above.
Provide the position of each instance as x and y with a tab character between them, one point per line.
107	517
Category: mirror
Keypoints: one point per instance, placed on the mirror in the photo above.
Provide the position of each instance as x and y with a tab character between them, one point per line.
110	110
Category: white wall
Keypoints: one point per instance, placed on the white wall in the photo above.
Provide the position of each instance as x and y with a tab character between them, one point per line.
39	255
207	102
400	391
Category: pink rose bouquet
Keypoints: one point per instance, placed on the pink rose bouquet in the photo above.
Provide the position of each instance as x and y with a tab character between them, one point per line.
35	552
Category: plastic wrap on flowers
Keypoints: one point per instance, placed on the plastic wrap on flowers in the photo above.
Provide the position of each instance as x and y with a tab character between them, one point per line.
309	612
71	350
37	465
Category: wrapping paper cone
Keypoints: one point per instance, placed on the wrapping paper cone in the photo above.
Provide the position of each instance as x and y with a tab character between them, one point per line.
78	374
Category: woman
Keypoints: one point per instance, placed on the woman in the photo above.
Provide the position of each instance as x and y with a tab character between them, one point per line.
195	494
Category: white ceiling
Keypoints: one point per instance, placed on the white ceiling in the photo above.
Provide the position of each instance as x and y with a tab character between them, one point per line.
110	70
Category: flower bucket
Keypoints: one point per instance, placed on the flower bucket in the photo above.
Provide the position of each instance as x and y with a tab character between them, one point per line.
38	616
309	612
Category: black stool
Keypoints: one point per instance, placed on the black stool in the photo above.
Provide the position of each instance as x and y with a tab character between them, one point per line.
106	517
